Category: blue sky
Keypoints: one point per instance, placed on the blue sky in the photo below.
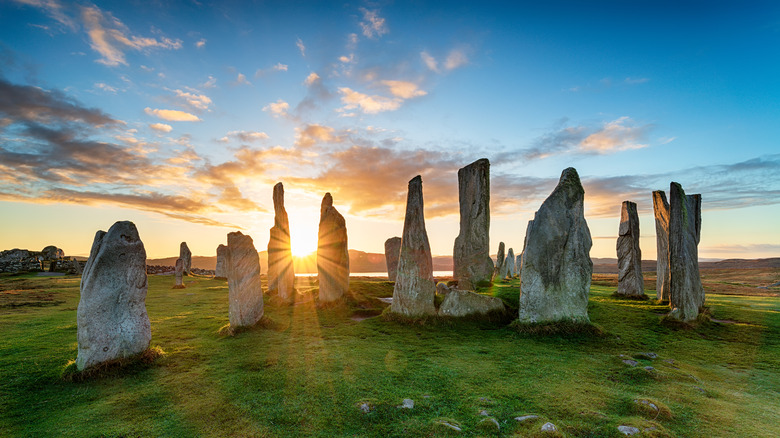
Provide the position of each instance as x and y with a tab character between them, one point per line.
182	115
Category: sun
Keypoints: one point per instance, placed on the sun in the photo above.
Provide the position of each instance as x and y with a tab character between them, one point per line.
303	237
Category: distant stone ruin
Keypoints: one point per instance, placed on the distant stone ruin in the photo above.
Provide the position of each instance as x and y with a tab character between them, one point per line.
414	289
281	277
556	271
245	292
111	317
630	281
332	253
471	254
392	252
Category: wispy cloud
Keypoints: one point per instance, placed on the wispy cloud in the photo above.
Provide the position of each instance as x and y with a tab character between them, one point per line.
301	47
404	89
161	127
368	104
172	115
198	102
54	9
618	135
278	108
211	82
456	58
312	134
245	136
241	80
201	43
373	25
275	68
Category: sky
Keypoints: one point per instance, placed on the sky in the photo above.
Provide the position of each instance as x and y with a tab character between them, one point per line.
182	115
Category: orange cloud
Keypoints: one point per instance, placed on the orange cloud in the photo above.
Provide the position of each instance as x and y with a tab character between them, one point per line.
172	115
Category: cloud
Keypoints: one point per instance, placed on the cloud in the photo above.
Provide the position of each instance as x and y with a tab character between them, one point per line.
196	101
617	135
313	133
110	37
278	108
201	44
280	67
347	59
277	67
241	80
105	87
210	83
455	58
311	79
54	9
368	104
429	61
172	115
404	89
246	136
162	127
373	25
301	47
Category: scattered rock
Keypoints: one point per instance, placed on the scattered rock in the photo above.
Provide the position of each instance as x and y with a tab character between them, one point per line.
557	268
630	362
471	255
415	288
448	425
483	412
407	404
281	276
489	424
111	318
365	407
459	303
549	427
245	292
630	282
649	368
332	253
392	251
647	403
442	289
646	355
525	418
628	430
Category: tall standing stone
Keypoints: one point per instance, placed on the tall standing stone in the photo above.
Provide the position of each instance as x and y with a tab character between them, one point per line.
178	273
186	257
630	282
508	268
414	286
522	253
245	292
220	272
471	262
281	277
111	318
557	267
686	294
332	252
392	251
518	264
661	213
499	261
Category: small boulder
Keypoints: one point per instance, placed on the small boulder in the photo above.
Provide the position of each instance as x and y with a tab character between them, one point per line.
525	418
365	407
628	430
407	403
442	289
630	362
459	303
549	427
449	426
489	424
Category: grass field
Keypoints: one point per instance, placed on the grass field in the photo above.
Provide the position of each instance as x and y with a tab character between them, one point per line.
307	371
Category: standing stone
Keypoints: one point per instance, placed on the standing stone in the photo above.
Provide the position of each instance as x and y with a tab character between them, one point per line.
220	272
518	264
392	251
521	257
281	276
557	267
245	291
661	212
508	268
111	318
75	266
686	294
499	261
186	257
332	252
414	289
471	262
630	282
178	274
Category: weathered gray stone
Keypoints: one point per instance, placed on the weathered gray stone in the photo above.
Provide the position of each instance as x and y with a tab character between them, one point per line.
75	266
459	303
518	264
525	418
178	273
471	262
686	294
281	277
508	268
628	430
525	242
392	252
186	257
111	318
630	282
442	288
557	268
245	292
332	252
449	426
499	262
549	427
414	286
220	272
51	253
407	403
661	213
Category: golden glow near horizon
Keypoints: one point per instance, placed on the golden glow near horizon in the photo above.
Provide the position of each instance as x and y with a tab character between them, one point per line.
303	232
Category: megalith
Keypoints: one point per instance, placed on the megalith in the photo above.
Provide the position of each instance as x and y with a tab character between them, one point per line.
557	268
508	268
178	273
500	258
186	257
686	294
661	213
630	282
332	252
392	251
471	262
245	292
414	289
460	303
281	277
525	242
220	271
111	317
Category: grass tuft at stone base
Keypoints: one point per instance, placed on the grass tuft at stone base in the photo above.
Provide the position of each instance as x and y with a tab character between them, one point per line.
123	366
557	328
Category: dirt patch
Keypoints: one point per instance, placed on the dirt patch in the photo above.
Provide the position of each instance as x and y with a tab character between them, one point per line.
28	297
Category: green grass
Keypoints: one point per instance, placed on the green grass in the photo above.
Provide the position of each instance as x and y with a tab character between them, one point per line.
306	370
